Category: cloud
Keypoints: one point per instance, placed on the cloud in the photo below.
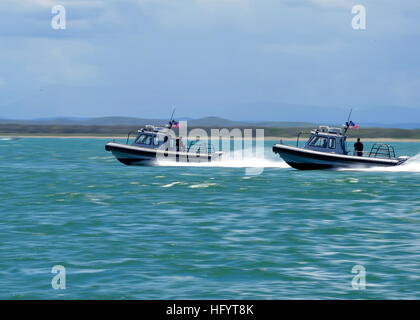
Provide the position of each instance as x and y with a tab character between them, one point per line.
32	3
302	48
52	3
334	3
64	63
51	62
201	14
341	4
209	53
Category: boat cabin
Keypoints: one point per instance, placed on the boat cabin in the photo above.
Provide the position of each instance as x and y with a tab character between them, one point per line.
150	137
154	137
326	139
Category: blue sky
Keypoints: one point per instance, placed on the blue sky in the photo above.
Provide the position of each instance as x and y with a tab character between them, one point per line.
240	59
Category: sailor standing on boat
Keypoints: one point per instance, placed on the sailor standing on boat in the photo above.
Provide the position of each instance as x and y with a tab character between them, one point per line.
180	145
358	147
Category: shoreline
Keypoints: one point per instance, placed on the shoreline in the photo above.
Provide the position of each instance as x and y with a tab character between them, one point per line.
268	138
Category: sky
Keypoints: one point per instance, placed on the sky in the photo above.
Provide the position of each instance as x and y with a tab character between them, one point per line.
291	60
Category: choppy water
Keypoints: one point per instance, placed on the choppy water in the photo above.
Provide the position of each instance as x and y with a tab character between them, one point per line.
199	232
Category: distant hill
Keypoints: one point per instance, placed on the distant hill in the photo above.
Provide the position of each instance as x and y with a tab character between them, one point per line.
129	121
215	122
122	121
391	125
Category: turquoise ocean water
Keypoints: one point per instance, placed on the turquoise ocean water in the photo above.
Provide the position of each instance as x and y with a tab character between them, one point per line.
202	232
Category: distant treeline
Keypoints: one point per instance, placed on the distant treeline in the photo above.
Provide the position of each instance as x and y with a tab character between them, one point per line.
103	130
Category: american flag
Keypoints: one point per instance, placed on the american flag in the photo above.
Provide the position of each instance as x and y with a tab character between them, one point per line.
174	124
353	126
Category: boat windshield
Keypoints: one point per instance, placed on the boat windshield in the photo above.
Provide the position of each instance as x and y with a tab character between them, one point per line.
319	142
145	139
156	140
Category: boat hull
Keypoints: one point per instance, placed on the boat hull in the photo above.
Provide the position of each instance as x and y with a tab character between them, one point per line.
304	159
137	156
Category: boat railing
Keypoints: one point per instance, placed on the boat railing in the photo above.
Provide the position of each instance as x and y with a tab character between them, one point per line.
382	150
297	139
378	150
299	135
128	136
201	147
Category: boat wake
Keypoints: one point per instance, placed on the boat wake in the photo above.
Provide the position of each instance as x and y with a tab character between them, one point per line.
253	165
232	161
411	165
240	163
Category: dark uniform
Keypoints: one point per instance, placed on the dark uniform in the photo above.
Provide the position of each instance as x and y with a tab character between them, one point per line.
358	146
180	145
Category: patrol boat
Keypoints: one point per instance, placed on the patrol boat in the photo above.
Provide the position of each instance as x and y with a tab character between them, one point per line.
154	144
326	149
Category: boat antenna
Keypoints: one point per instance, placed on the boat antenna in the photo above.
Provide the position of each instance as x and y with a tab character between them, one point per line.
172	118
172	115
348	120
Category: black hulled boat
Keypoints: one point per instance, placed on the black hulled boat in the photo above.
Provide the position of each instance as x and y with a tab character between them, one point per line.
154	144
326	149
